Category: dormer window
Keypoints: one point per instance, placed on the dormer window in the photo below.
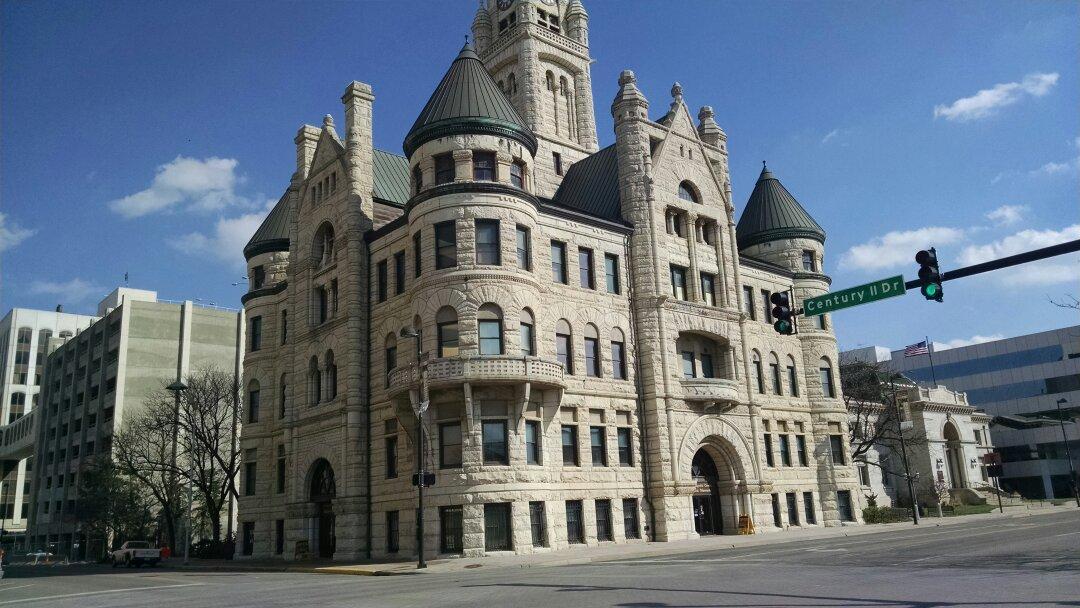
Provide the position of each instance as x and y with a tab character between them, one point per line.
483	166
444	169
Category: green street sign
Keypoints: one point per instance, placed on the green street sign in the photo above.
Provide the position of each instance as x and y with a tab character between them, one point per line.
853	296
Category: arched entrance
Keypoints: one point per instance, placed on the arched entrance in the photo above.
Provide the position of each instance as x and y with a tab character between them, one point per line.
954	455
322	492
708	511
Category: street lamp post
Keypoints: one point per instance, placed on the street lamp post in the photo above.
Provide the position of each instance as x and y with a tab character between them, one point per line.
1068	453
420	472
176	388
903	452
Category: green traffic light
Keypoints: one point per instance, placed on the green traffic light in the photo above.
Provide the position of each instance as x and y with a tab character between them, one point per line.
931	289
783	327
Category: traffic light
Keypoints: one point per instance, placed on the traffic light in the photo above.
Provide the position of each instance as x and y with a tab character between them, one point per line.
785	317
929	274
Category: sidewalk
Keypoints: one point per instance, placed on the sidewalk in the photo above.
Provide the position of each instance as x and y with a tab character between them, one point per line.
607	551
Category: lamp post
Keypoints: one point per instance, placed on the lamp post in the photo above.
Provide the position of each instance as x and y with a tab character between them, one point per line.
903	453
420	472
177	387
1068	453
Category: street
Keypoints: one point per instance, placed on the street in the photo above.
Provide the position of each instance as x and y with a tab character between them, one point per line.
1026	561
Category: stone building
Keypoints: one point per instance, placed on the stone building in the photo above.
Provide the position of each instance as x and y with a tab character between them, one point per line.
588	328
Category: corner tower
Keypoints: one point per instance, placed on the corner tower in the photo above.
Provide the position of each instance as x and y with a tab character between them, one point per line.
538	53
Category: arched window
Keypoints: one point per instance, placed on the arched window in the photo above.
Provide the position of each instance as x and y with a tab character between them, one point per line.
314	381
417	179
331	376
774	374
568	110
283	390
323	251
592	351
390	360
527	333
446	326
793	376
759	373
688	192
254	401
489	327
826	374
512	88
564	347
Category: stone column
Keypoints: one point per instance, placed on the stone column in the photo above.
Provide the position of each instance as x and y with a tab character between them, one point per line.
462	165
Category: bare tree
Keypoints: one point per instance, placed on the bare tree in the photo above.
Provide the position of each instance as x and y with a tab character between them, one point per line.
870	394
1069	301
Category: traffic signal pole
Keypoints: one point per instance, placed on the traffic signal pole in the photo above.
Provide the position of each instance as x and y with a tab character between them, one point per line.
1012	260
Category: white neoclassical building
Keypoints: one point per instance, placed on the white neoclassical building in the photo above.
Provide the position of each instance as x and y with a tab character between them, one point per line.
588	327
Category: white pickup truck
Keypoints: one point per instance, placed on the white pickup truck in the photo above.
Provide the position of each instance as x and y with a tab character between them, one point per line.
135	553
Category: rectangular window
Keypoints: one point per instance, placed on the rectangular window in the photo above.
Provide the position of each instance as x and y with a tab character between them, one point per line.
390	363
843	505
248	544
768	450
256	333
864	475
528	340
793	381
417	245
598	443
585	268
569	446
826	381
603	521
592	357
808	262
254	397
483	164
280	469
279	536
800	446
558	262
618	360
444	168
391	457
777	383
631	527
258	277
532	442
381	274
808	507
765	306
445	245
626	450
678	282
759	377
776	517
575	525
399	273
792	509
708	289
284	326
819	322
450	445
688	370
785	450
392	532
495	439
491	339
524	248
707	370
537	524
451	530
611	273
557	159
447	334
497	527
836	446
487	242
748	302
564	352
249	478
517	175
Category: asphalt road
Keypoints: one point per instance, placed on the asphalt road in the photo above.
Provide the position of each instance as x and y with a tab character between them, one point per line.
1032	561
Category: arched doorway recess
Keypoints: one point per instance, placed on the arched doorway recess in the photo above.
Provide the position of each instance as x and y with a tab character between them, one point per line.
322	492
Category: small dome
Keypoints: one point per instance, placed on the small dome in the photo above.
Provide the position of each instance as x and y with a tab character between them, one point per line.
468	101
772	214
273	233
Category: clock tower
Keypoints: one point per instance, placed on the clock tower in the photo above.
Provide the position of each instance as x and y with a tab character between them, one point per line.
538	53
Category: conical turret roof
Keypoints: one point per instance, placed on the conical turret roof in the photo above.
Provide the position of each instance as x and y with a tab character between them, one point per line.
468	101
772	214
273	233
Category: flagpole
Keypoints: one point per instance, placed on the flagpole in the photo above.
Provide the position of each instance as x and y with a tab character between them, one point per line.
930	353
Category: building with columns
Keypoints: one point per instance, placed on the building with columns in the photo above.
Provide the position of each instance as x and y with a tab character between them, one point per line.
587	330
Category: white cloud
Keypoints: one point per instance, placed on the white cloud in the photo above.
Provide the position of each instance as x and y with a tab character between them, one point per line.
70	292
830	136
1007	215
1060	269
11	234
958	342
987	101
1053	168
897	248
202	185
227	241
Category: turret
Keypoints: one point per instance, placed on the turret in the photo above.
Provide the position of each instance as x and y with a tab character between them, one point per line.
708	130
481	29
577	22
774	227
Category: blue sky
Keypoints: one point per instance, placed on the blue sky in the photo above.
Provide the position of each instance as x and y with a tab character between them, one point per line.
148	137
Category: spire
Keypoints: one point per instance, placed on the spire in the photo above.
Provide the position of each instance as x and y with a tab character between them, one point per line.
772	213
467	100
708	130
628	92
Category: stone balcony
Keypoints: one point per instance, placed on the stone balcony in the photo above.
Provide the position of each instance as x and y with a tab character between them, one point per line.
710	390
479	369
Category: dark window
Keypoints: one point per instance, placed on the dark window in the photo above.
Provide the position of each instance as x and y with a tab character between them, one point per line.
280	469
678	282
707	370
768	450
569	446
808	262
417	245
491	338
483	166
254	398
452	532
248	544
538	524
748	301
445	245
626	450
528	340
391	457
256	333
575	526
776	519
592	357
517	172
392	532
399	273
688	370
448	338
808	507
843	505
279	536
618	361
836	447
826	381
585	268
450	445
418	179
495	439
777	383
611	272
381	273
708	288
793	381
557	158
487	242
444	168
785	450
792	509
759	376
765	306
532	442
497	527
558	262
284	326
391	362
524	248
249	478
603	520
800	447
631	527
258	277
564	352
598	444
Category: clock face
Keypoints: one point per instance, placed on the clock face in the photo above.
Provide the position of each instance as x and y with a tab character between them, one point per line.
504	4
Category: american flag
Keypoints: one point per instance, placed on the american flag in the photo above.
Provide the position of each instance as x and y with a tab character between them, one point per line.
919	348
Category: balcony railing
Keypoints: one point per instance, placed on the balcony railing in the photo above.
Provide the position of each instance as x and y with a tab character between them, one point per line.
479	369
718	390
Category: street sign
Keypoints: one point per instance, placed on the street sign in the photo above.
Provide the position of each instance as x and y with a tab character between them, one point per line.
854	296
429	479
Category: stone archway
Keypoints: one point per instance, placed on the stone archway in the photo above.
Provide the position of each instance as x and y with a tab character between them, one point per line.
322	491
954	455
715	461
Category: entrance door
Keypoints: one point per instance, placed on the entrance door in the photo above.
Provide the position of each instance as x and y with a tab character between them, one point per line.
708	517
327	538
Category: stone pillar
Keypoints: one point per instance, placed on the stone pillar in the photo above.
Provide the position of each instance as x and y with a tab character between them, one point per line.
358	100
306	139
462	166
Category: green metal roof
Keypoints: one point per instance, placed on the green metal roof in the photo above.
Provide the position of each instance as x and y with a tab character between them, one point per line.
273	233
468	101
592	185
391	173
772	214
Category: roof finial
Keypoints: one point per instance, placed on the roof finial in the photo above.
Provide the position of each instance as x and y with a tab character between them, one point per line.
763	167
466	39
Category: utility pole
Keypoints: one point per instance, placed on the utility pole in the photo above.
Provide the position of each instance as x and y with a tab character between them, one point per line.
903	452
1068	453
421	473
